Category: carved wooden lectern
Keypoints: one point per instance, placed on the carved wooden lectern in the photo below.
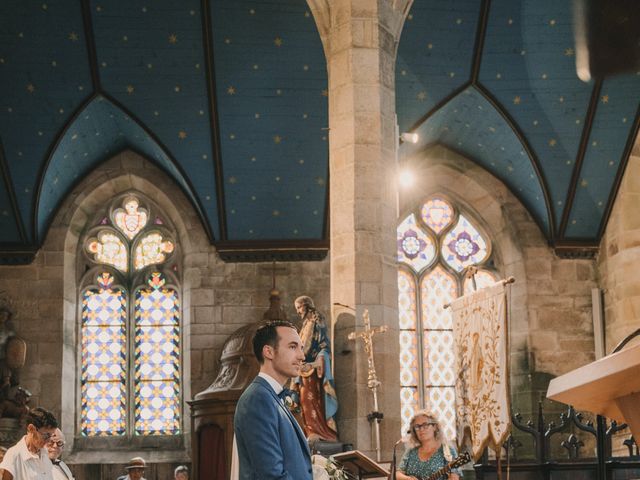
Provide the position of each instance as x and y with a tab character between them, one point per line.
609	387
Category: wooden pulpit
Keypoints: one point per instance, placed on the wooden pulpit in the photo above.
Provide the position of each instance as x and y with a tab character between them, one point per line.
609	387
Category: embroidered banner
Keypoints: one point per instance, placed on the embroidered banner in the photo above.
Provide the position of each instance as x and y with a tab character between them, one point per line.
482	387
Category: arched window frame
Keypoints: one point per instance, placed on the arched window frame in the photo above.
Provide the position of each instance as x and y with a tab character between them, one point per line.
487	265
130	282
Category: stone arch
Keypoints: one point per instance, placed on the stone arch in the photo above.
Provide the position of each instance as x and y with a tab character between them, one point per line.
125	172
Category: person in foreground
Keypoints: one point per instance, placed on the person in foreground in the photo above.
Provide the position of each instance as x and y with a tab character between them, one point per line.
429	452
271	444
55	445
28	458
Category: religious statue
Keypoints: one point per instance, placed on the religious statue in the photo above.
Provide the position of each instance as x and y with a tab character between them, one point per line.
317	395
12	353
16	406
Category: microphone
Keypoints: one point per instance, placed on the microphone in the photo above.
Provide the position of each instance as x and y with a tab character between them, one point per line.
343	305
393	460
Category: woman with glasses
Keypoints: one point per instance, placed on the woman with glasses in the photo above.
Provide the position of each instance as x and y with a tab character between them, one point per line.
429	452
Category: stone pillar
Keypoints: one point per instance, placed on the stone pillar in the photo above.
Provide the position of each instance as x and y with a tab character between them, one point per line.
360	39
618	257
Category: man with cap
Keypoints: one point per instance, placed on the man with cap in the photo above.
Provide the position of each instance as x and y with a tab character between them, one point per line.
135	469
55	445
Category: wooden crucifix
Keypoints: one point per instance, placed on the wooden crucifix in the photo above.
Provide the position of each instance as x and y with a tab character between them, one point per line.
373	383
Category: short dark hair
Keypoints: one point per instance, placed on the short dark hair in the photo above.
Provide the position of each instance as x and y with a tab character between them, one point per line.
39	417
267	334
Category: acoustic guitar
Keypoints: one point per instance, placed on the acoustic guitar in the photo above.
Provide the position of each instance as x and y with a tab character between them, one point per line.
457	462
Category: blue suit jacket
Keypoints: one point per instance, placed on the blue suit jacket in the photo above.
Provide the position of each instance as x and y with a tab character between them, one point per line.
271	444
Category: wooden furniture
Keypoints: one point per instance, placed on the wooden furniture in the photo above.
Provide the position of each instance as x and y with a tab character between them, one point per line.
609	387
212	410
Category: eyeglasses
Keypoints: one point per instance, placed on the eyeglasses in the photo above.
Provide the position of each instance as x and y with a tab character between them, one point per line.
58	444
422	426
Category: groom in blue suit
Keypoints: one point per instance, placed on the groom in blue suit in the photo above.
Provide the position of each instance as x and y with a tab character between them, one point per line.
271	444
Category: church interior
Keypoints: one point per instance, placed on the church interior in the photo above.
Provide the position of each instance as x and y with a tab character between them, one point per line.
173	172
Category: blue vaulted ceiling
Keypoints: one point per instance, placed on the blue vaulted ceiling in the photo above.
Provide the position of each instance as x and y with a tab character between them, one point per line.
496	81
229	98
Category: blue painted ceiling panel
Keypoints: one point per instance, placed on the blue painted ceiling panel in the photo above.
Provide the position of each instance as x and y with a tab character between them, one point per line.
150	57
271	88
614	122
471	125
44	76
434	56
99	132
549	118
529	66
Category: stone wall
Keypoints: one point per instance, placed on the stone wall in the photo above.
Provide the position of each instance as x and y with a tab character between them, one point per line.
618	258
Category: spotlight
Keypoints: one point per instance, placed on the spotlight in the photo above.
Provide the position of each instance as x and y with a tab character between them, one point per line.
409	137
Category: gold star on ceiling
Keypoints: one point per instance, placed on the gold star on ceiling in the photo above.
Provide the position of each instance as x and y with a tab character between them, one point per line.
277	139
231	90
584	183
325	93
130	89
182	134
275	213
552	22
568	52
227	41
516	100
277	42
233	180
605	99
422	95
552	142
173	39
73	36
320	181
31	88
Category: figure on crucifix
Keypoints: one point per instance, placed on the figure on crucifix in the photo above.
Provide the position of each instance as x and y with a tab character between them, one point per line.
317	394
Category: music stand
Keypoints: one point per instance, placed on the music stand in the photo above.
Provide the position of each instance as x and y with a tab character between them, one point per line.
359	464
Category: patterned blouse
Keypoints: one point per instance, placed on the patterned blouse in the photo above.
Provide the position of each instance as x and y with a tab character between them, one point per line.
413	466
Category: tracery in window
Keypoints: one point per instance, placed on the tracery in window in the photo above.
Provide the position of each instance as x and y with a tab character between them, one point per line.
130	326
435	246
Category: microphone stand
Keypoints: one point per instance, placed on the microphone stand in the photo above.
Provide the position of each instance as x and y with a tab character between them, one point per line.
393	461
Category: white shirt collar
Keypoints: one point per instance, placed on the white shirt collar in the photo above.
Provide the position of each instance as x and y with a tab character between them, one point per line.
272	381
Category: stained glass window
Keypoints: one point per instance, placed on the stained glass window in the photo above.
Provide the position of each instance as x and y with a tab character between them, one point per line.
435	246
415	248
138	391
157	344
108	248
104	311
151	249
